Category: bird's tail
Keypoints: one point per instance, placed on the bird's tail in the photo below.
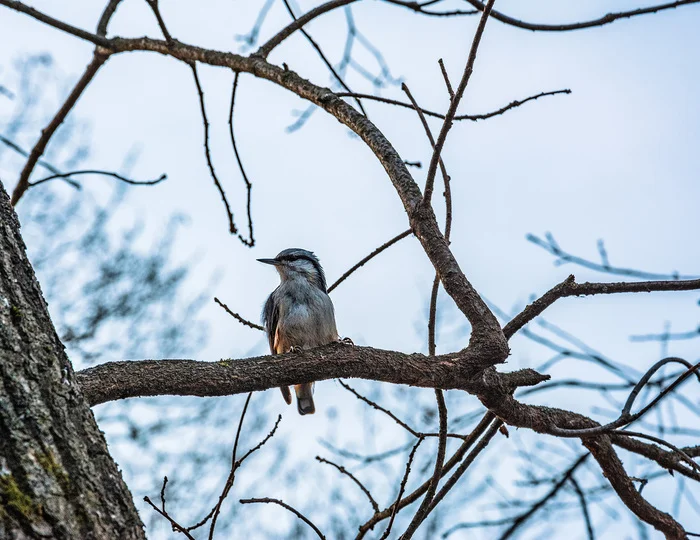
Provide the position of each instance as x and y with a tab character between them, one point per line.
305	398
286	394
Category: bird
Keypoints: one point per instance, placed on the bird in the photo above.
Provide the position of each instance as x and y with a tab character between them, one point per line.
299	314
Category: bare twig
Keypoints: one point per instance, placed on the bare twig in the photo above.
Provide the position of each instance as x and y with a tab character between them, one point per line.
129	181
446	77
288	30
175	525
250	242
291	509
606	19
584	507
234	465
402	487
161	23
98	59
550	244
207	153
449	465
473	117
369	257
518	521
325	60
236	316
626	417
359	484
454	103
459	472
569	287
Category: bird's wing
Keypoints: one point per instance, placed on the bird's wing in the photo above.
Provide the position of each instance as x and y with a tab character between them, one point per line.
270	320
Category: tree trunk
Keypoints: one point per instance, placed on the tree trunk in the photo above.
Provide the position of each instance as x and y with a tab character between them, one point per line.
57	479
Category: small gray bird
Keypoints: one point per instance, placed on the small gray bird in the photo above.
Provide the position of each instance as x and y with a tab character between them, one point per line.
299	314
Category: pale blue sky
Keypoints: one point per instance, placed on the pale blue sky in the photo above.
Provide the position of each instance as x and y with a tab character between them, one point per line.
617	159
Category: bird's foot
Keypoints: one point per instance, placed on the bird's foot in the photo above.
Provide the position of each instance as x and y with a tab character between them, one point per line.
346	341
294	349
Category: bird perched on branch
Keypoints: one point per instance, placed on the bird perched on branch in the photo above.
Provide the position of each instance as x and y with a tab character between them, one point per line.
299	314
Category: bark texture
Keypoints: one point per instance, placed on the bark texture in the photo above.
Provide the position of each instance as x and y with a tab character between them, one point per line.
57	479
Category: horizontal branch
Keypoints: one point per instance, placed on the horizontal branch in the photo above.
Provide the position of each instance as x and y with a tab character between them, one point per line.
569	287
473	117
120	380
601	21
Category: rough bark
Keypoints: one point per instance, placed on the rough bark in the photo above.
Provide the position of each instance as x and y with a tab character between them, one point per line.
57	479
119	380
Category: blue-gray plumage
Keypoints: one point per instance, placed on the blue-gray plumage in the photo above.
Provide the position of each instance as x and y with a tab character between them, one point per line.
299	313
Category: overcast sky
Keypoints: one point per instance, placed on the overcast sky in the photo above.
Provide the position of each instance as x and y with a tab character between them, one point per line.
617	159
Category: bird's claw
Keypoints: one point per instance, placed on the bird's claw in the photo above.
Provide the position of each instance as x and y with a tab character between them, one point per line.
346	341
294	349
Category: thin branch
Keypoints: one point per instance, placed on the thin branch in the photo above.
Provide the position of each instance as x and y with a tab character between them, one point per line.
626	417
352	477
419	7
250	242
402	487
207	152
97	61
325	60
106	16
446	77
55	23
556	488
454	103
161	23
291	509
68	175
471	457
569	287
449	465
473	117
658	440
236	316
425	506
175	525
369	257
606	19
667	336
584	507
232	472
288	30
550	244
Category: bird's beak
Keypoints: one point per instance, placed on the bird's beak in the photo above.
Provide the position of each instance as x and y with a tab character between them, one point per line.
269	261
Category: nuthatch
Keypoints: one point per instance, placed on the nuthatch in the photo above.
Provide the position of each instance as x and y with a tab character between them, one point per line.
299	314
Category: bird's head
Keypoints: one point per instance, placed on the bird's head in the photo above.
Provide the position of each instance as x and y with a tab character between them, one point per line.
295	263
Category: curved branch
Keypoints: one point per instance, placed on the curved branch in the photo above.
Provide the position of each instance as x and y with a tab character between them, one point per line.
473	117
366	259
288	30
90	71
605	19
68	175
291	509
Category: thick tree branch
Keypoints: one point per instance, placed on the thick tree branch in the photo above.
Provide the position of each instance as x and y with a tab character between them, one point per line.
120	380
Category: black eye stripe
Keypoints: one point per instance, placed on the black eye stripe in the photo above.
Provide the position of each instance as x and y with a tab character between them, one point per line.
292	258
